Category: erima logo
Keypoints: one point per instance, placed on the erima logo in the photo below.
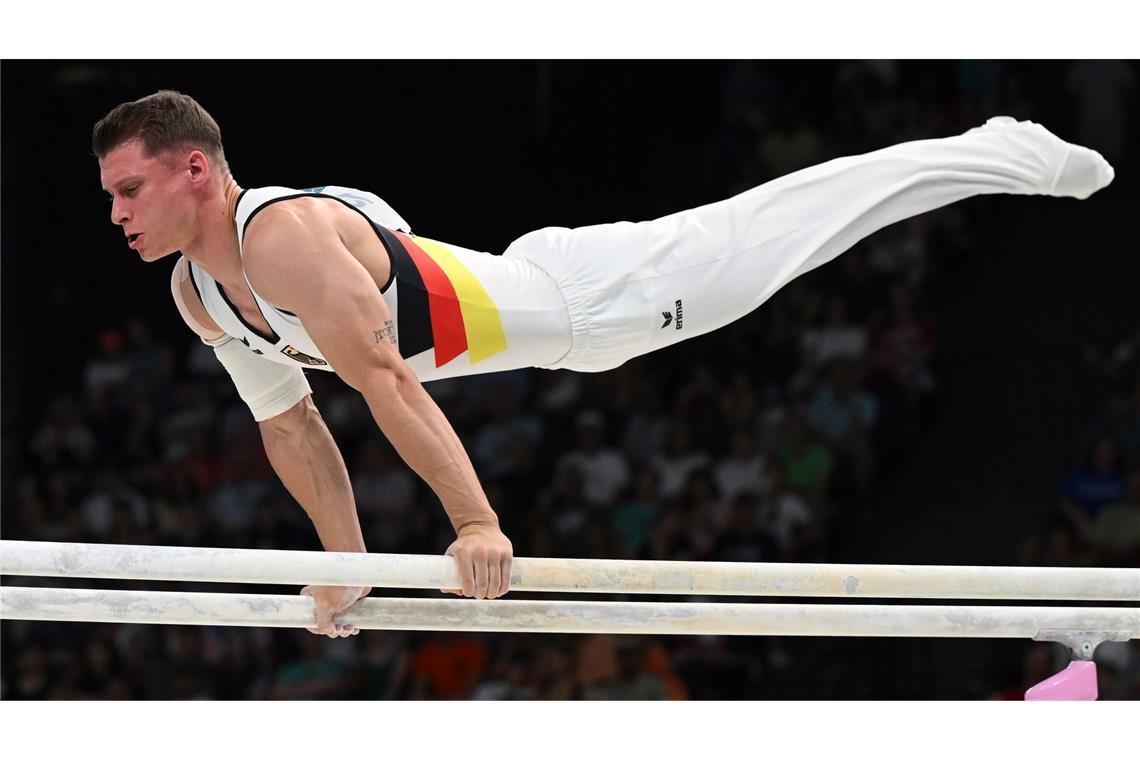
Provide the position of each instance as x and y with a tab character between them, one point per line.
669	316
679	313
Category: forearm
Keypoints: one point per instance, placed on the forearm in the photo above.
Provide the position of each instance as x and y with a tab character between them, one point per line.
306	458
423	437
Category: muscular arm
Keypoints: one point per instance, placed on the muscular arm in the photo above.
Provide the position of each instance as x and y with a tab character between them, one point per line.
298	444
295	259
307	460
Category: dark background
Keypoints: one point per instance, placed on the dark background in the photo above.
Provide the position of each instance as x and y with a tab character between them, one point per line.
1018	290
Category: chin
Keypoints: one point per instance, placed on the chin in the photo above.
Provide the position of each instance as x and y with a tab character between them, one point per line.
151	255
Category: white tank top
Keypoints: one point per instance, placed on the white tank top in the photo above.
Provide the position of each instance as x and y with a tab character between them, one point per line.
456	311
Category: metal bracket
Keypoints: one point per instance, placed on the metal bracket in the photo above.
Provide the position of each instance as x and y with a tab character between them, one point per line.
1082	643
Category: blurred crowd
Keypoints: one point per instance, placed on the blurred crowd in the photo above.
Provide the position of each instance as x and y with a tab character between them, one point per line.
1096	520
761	442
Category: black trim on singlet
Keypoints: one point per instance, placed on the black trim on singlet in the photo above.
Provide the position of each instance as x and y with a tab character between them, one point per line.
194	283
238	205
412	308
274	340
375	227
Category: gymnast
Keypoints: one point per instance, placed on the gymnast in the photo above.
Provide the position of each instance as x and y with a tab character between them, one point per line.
278	280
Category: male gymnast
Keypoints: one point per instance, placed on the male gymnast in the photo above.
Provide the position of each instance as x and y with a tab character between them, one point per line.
330	278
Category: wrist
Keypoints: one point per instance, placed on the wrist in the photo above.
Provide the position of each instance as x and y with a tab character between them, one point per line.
480	525
344	545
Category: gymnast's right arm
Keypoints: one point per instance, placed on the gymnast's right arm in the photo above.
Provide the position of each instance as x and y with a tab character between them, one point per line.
298	444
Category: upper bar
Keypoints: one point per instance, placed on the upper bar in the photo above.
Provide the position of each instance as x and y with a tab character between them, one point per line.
171	563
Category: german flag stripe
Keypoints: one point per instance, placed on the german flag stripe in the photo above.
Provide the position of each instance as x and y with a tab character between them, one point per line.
484	328
444	305
440	303
412	309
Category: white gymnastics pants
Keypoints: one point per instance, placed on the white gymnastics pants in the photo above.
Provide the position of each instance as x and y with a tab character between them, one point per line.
631	288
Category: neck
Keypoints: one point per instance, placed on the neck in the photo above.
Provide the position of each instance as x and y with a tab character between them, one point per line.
215	248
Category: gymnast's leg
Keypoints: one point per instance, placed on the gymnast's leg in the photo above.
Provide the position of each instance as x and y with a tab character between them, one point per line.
625	282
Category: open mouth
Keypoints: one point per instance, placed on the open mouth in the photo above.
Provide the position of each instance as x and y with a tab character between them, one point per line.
132	240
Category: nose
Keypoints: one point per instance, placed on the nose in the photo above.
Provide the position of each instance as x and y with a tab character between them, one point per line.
119	212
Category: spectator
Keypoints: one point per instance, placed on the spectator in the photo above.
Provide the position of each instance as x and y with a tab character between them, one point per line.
836	339
633	680
903	345
841	412
862	292
383	487
104	374
744	470
678	462
604	471
787	517
447	666
806	464
564	513
740	400
64	440
28	676
233	506
790	145
111	498
844	416
507	680
647	424
507	425
900	252
1115	531
745	540
596	664
552	673
314	675
1087	490
386	665
633	521
236	664
150	365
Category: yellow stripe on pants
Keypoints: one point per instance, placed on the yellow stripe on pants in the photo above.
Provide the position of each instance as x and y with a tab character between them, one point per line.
485	336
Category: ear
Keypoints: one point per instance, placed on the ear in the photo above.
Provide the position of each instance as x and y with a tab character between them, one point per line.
198	164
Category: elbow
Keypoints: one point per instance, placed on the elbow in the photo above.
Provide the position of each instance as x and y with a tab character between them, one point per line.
389	389
382	376
389	379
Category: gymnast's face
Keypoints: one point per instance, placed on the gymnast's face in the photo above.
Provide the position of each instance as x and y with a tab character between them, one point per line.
155	199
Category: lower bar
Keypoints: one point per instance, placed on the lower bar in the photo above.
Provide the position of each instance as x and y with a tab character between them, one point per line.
276	611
